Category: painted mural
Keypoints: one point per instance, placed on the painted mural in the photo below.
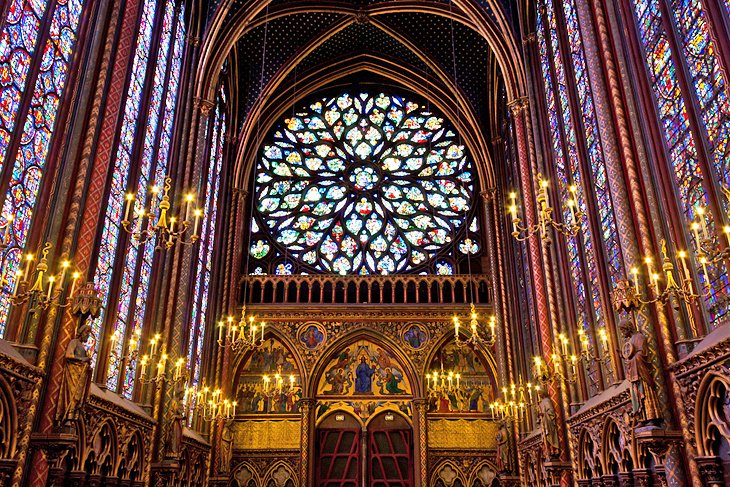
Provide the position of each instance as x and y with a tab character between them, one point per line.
311	335
363	369
269	381
459	382
415	336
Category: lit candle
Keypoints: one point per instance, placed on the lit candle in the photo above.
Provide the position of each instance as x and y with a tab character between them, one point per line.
228	326
188	206
682	259
529	391
132	345
16	284
571	205
113	340
178	368
456	326
655	282
695	230
253	332
703	261
573	364
144	361
563	343
75	277
172	228
51	280
220	331
451	379
198	213
491	409
493	325
28	260
726	230
130	198
538	366
64	267
458	381
604	340
544	185
291	381
263	325
160	368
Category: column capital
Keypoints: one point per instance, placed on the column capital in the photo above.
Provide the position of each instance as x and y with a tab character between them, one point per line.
529	38
488	195
204	105
518	105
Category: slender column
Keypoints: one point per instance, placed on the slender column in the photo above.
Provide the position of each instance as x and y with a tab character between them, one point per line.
489	235
420	435
307	406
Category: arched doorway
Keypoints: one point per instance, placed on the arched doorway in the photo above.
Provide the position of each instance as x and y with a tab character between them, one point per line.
379	454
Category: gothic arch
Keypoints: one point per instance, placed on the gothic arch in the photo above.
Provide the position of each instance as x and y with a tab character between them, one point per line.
353	336
485	473
8	421
270	106
282	475
589	461
220	39
712	427
447	338
101	454
617	456
245	475
448	474
131	460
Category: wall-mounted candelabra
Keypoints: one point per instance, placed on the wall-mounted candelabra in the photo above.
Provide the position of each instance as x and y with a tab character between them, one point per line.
241	336
475	338
209	403
516	401
545	215
157	366
144	224
34	283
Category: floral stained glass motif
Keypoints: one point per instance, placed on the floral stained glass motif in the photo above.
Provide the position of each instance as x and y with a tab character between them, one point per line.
35	140
120	177
674	118
207	244
609	233
365	183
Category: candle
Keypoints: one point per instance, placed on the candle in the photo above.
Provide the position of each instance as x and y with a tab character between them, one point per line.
198	214
456	326
493	325
16	284
529	391
491	409
64	267
451	378
172	228
228	326
695	230
544	185
538	366
571	205
220	331
51	280
263	325
604	340
144	365
635	273
160	368
573	364
28	260
458	381
113	340
129	197
75	276
655	282
563	343
726	230
178	368
188	206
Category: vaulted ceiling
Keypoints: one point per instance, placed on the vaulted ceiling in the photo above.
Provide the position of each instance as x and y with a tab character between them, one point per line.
460	53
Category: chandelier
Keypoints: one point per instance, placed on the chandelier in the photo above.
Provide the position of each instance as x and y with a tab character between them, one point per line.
475	338
241	336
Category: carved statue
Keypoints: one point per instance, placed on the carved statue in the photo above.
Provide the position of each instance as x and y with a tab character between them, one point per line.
76	378
175	433
226	446
502	449
644	402
549	426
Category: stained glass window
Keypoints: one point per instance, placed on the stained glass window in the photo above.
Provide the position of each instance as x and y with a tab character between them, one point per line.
18	43
153	140
710	92
365	183
207	243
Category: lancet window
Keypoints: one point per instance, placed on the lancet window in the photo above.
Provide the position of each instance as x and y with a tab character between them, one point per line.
124	267
36	48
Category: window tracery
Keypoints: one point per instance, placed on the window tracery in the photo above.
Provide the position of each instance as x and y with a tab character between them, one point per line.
29	130
366	183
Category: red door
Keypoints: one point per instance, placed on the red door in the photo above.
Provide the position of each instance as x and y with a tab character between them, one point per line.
390	452
338	458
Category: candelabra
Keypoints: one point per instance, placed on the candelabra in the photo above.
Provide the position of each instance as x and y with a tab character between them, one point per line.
443	382
153	359
545	217
34	284
237	337
475	338
209	403
514	404
162	226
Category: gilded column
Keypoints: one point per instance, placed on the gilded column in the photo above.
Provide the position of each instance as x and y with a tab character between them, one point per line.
308	407
420	433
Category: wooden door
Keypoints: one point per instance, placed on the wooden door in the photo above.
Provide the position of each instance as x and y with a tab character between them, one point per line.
390	452
337	463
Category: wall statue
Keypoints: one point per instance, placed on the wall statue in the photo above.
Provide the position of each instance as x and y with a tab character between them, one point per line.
226	447
502	448
175	433
76	378
638	368
549	425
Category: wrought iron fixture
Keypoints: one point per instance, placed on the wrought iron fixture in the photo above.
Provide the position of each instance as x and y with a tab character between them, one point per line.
241	336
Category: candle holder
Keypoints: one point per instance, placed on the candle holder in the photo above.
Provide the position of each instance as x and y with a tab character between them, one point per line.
166	229
545	218
516	401
35	285
210	404
154	368
241	336
475	338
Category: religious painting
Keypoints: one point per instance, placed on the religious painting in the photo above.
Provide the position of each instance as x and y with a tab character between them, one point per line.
269	381
458	381
415	336
311	335
363	369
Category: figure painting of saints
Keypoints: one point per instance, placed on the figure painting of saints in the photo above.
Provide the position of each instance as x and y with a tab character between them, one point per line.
459	381
363	369
269	381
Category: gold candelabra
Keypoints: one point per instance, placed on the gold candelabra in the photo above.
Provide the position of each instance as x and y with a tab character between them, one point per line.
475	338
210	404
241	336
167	229
35	284
515	402
545	215
154	366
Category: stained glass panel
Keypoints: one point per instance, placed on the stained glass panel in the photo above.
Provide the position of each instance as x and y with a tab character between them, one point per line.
364	183
35	140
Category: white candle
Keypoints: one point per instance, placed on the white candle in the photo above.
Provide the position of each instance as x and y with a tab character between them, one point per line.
130	199
75	277
51	280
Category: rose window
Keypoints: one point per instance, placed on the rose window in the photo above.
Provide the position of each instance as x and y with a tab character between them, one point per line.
369	184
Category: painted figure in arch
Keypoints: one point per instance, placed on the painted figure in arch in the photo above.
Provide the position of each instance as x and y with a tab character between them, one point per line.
364	377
